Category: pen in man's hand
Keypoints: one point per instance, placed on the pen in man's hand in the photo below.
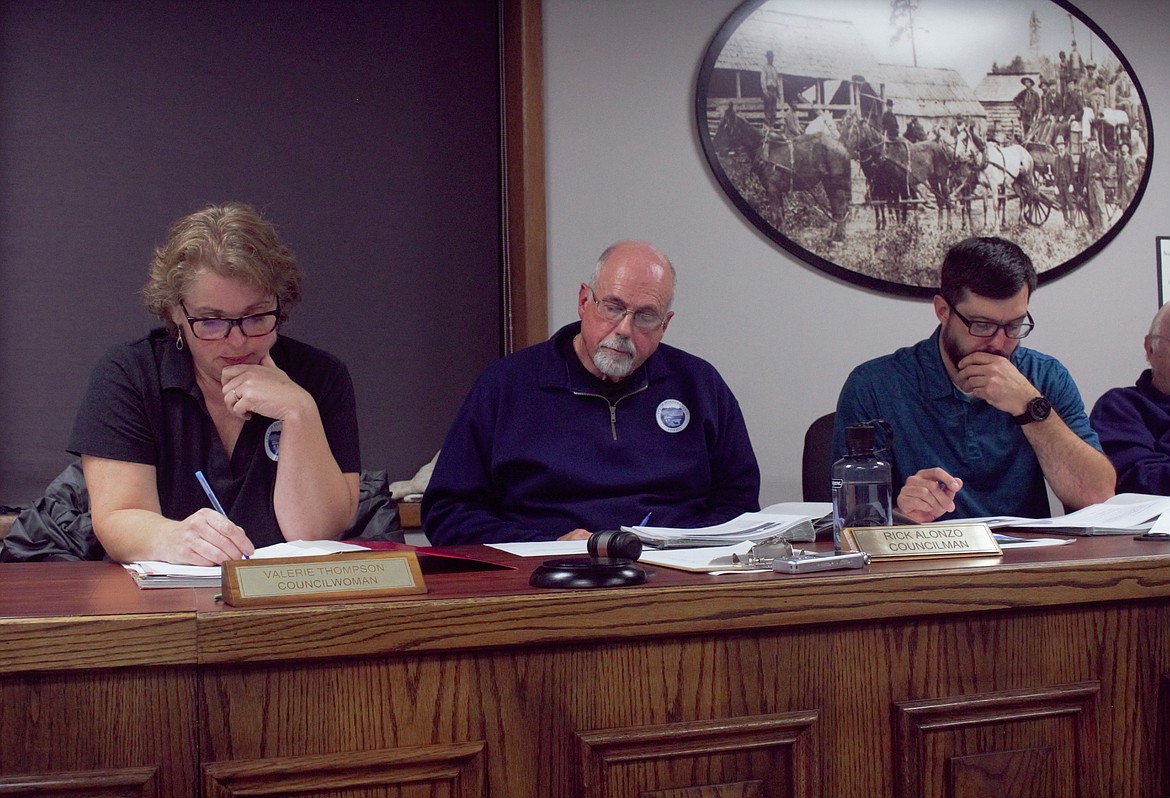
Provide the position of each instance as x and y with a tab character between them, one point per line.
212	497
645	520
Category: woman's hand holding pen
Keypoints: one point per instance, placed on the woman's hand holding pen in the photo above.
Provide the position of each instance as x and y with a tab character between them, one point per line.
262	388
929	494
206	538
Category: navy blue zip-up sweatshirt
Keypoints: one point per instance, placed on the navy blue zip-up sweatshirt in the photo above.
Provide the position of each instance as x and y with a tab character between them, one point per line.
536	451
1134	426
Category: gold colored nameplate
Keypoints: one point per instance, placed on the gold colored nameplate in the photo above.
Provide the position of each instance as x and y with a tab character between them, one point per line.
329	578
922	540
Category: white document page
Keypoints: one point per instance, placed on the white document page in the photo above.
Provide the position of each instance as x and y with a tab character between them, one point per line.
1124	511
294	548
712	559
747	526
542	548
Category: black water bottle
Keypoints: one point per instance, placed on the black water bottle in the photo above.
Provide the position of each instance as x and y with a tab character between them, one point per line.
861	484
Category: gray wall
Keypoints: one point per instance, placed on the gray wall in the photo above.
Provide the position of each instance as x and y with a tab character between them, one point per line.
624	160
368	131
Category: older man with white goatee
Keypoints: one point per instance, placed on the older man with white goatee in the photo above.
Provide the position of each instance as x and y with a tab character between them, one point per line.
597	427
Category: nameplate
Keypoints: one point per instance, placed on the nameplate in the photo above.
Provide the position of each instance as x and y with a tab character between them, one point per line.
922	540
329	578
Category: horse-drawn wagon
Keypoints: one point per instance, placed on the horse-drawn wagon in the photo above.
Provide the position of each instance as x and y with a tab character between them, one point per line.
1040	195
946	174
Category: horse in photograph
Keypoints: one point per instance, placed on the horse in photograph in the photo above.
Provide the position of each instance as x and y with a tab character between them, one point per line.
933	165
969	160
887	179
823	123
897	170
786	165
997	169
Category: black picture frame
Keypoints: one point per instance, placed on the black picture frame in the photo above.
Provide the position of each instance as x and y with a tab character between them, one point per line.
865	228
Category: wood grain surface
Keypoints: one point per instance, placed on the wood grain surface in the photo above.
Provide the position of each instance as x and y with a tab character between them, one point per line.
1044	673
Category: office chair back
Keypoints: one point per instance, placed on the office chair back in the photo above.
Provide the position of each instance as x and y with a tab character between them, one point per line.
817	461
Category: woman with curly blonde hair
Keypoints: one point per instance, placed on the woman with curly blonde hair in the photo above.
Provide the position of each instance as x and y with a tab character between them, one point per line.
269	422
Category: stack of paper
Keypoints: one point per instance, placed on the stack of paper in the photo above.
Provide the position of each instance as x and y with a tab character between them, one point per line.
1122	514
753	527
164	574
710	560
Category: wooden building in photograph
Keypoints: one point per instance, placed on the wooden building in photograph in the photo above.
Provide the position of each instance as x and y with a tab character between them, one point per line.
935	97
814	57
826	64
996	92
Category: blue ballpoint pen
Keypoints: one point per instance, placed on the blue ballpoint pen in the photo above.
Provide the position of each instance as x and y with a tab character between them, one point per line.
645	520
212	497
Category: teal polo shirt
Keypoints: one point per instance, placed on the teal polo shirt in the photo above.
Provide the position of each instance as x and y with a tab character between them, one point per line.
935	424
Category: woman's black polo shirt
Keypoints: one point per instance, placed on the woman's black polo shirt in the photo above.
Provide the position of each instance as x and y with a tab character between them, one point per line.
143	406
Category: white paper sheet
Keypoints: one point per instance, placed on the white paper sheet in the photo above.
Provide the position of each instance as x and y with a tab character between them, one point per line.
1130	511
186	575
542	548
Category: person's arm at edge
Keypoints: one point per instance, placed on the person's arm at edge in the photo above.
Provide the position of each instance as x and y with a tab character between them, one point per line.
735	472
1066	446
460	515
128	521
1064	443
459	503
313	498
1078	474
1130	444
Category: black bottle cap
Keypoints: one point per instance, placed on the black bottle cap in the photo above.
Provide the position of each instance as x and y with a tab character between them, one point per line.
859	438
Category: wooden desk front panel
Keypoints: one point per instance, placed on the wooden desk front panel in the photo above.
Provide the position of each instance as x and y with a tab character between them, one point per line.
1059	702
116	732
1031	677
97	684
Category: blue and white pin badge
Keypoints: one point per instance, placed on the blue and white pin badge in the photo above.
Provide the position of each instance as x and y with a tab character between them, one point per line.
672	415
272	441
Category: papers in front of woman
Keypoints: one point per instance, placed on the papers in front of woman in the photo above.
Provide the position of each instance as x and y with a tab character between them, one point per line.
1122	514
752	527
164	574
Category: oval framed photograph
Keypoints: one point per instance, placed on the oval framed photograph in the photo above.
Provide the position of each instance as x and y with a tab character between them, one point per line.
866	137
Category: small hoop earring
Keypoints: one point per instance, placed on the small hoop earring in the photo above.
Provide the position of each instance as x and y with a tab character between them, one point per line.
179	342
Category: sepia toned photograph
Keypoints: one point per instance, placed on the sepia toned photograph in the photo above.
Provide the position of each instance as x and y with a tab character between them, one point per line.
867	136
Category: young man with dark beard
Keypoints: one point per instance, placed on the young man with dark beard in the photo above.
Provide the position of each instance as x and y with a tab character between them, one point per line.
979	422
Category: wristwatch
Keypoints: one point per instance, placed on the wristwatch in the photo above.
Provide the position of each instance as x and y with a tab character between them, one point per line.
1038	410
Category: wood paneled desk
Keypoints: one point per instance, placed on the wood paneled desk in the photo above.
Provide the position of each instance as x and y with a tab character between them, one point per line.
1046	673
